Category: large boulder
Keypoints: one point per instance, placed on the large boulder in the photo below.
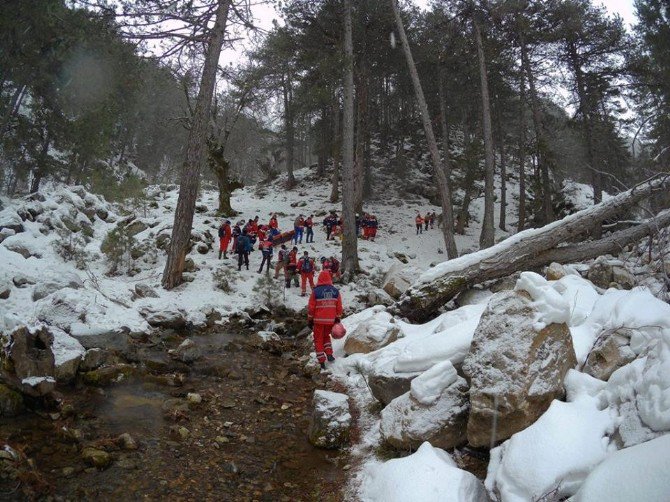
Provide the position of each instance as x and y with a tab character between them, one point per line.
187	352
102	337
610	352
11	220
387	384
398	279
135	227
66	280
372	334
28	362
68	353
331	420
167	319
516	364
605	274
434	410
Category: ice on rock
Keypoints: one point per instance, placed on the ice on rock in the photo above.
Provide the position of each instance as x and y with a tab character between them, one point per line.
429	475
640	472
427	387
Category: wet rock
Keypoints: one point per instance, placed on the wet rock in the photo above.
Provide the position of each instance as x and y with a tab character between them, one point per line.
93	359
30	353
126	442
168	319
187	352
555	271
96	458
372	334
441	419
610	352
145	291
330	422
515	370
103	377
398	279
11	402
66	280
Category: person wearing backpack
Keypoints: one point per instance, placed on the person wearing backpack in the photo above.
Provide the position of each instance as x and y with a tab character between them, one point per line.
292	267
324	310
306	266
282	260
243	248
266	250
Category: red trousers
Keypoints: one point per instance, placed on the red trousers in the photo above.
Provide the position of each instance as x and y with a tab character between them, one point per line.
304	277
223	244
322	343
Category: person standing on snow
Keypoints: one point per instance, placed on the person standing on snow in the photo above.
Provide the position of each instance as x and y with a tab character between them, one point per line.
225	233
266	250
329	222
419	223
309	231
282	260
426	220
273	222
298	227
237	231
243	248
373	224
306	267
324	309
292	267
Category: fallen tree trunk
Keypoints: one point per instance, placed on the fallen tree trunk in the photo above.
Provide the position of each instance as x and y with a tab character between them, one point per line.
531	249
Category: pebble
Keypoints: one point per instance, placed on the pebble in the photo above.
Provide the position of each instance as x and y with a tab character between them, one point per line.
222	439
184	432
194	398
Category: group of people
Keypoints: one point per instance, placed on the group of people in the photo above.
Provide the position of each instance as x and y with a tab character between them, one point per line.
305	267
366	226
423	222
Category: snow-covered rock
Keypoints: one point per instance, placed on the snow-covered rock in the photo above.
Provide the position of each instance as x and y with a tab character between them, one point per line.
398	279
610	352
372	334
435	410
428	475
556	453
517	361
168	319
68	353
636	473
93	359
10	219
330	422
67	280
145	291
387	384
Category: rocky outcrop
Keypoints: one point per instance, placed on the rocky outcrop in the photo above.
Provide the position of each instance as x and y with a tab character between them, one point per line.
372	334
516	367
398	279
606	274
11	220
27	363
330	422
435	410
610	352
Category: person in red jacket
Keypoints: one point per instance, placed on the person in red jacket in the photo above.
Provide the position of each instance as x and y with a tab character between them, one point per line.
273	222
419	223
225	233
306	267
324	309
291	269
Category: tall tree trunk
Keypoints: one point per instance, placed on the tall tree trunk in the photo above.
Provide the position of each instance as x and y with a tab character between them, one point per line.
443	186
542	146
335	180
196	149
522	152
350	240
502	224
448	216
361	119
13	107
487	237
468	187
323	146
289	126
41	164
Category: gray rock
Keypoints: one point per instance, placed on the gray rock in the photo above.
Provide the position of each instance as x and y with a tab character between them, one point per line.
515	371
169	319
11	220
623	277
555	271
386	385
163	241
30	352
22	280
67	280
331	421
187	352
5	291
11	402
102	213
18	247
145	291
136	227
372	334
112	339
398	279
93	358
202	248
600	273
96	458
610	352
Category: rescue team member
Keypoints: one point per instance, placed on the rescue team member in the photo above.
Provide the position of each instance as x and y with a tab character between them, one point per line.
243	248
266	250
298	227
427	220
273	222
324	309
282	260
419	223
330	222
225	233
309	231
291	268
237	231
306	267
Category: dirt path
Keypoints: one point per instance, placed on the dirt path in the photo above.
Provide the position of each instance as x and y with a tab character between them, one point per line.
246	439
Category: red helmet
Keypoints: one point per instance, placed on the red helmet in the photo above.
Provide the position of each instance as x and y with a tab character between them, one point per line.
338	331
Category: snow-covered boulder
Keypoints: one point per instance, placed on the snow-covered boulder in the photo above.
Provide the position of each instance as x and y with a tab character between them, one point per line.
330	422
398	279
10	219
520	353
22	246
372	334
186	352
556	453
605	273
145	291
387	384
167	319
434	410
637	473
5	290
68	353
428	475
610	352
65	280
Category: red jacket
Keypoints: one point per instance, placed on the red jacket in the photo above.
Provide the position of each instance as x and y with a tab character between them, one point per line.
306	265
325	302
274	223
293	258
309	222
418	219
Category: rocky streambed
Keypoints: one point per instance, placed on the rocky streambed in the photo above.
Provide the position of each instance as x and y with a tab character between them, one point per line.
229	424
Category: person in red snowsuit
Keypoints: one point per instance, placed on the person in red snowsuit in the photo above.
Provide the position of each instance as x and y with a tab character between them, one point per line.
419	223
273	222
306	267
225	233
324	309
291	269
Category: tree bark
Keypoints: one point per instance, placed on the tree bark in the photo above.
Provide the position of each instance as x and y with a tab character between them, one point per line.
443	186
289	126
530	249
522	152
41	164
335	181
195	154
502	224
487	237
350	239
448	216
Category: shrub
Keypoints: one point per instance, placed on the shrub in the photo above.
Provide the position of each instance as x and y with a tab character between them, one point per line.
119	247
224	279
70	247
268	291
